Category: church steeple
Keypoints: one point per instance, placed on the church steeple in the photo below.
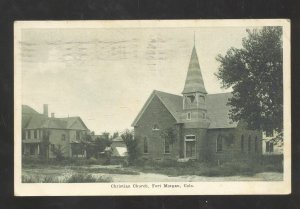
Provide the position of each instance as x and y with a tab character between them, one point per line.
194	92
194	81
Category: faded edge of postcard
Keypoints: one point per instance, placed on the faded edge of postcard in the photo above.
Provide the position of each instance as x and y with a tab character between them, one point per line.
106	70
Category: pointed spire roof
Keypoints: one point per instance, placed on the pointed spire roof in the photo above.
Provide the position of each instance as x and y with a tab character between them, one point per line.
194	81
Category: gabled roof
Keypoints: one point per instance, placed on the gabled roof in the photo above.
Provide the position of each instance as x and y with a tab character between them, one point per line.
40	121
118	139
31	119
28	110
218	111
172	102
194	80
217	108
119	151
27	113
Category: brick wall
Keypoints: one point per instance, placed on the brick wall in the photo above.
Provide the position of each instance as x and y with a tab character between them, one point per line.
231	144
155	113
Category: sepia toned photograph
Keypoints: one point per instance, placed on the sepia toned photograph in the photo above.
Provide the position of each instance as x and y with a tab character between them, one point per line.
185	107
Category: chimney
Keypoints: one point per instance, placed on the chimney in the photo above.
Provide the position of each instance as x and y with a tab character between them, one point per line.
45	110
52	115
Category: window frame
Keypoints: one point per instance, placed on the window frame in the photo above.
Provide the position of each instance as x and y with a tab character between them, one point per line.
189	116
63	137
169	146
242	143
219	143
77	135
249	143
29	134
146	146
256	144
155	127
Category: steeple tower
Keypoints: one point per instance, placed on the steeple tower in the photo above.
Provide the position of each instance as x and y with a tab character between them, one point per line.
194	92
194	81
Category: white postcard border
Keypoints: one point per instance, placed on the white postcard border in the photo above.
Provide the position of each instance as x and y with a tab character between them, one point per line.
199	188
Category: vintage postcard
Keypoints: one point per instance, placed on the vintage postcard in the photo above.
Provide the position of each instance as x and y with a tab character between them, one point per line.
172	107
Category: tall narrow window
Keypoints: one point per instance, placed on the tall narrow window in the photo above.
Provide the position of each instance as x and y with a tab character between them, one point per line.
77	135
63	137
269	147
145	145
189	114
242	143
166	146
256	144
249	143
219	144
269	133
29	134
35	133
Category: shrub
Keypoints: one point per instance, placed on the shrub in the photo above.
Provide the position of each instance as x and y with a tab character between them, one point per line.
81	178
28	179
58	152
87	178
131	144
104	179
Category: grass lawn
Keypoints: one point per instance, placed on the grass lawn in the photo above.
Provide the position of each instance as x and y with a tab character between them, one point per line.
89	171
174	168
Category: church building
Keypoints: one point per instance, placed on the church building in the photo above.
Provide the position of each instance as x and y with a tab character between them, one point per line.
197	122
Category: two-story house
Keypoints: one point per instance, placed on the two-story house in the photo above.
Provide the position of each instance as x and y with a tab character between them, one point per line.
42	135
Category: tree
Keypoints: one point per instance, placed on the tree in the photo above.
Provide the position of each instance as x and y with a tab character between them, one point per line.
169	134
114	135
58	152
131	144
255	75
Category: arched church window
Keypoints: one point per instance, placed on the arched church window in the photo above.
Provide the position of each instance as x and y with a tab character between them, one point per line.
219	144
249	143
242	143
145	145
256	144
191	98
155	127
166	146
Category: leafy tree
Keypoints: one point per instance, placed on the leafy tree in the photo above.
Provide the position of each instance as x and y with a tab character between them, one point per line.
255	74
169	135
131	144
58	152
115	135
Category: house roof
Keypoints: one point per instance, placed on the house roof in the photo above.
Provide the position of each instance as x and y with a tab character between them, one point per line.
33	120
28	110
194	80
217	108
218	111
119	151
118	139
27	113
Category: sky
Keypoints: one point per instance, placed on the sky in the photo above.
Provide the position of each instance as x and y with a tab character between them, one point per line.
106	75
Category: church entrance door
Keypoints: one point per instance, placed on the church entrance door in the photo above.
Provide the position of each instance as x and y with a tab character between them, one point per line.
190	147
